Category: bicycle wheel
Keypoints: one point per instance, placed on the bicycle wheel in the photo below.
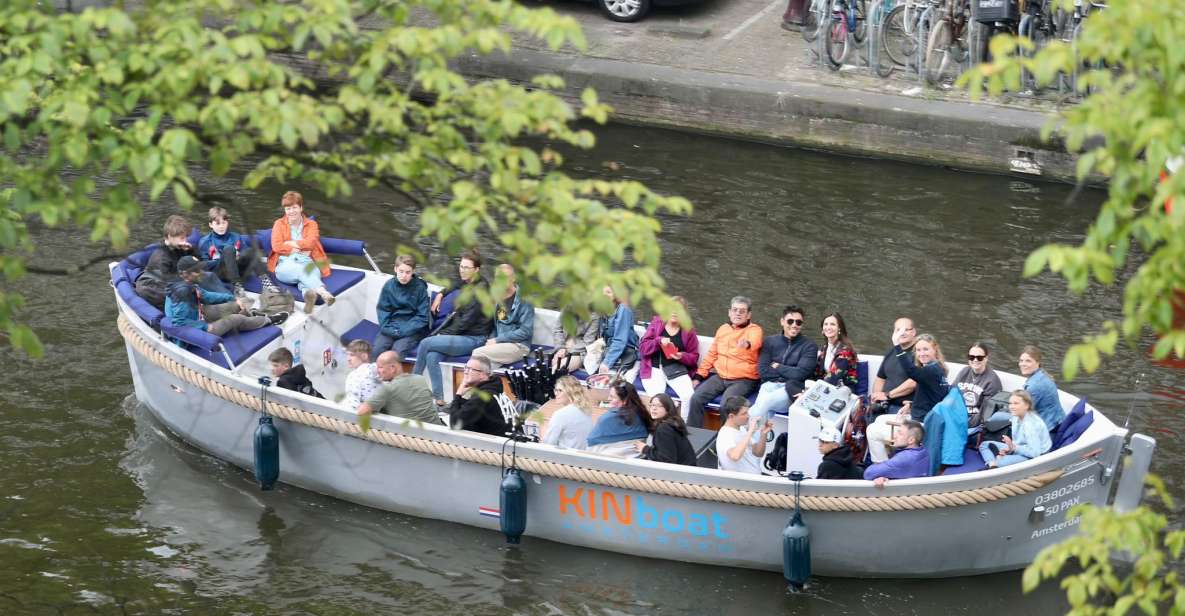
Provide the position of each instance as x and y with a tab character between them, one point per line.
837	43
937	52
896	42
810	22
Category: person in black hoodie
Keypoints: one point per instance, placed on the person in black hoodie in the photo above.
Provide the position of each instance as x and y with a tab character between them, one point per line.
464	329
161	269
837	458
668	442
479	400
289	376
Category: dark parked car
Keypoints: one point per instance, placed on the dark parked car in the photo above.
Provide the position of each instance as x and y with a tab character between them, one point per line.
633	10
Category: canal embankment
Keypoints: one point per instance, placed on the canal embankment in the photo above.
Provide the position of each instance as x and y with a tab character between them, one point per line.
728	69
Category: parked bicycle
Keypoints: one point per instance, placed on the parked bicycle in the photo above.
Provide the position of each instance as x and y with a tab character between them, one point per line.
846	30
947	46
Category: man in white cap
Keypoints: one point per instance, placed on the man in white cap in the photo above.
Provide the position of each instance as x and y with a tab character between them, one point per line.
837	458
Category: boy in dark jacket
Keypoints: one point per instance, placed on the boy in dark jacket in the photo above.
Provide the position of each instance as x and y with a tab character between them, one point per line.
231	254
837	458
161	269
289	376
402	311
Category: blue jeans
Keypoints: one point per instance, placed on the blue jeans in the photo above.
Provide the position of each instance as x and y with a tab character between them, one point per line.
771	398
306	276
986	452
405	346
434	349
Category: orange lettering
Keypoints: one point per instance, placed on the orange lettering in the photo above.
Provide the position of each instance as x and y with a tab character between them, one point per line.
607	498
592	504
574	501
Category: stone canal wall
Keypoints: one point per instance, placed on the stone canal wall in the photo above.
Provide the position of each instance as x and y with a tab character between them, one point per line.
974	136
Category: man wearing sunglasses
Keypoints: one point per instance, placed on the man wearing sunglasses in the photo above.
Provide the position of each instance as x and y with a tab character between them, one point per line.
787	360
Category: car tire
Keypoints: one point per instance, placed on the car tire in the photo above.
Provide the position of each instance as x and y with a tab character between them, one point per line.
624	10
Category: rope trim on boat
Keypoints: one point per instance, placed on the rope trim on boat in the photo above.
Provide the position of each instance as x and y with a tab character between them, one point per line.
582	474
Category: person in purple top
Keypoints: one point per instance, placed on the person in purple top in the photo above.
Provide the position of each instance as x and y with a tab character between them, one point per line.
911	459
669	354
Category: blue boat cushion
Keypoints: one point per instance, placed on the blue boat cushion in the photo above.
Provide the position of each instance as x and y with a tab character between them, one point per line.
446	303
861	379
338	281
239	346
368	331
331	245
119	272
972	462
364	330
146	311
1072	426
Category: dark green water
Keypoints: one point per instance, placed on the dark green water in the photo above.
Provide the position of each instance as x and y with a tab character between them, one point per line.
101	512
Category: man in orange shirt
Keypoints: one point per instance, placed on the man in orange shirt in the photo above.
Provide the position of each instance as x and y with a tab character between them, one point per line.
730	367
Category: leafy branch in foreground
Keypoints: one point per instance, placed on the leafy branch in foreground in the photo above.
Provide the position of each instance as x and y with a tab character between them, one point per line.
103	107
1150	583
1127	128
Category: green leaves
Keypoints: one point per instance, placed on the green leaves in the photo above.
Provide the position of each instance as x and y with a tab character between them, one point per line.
1130	66
140	96
1100	585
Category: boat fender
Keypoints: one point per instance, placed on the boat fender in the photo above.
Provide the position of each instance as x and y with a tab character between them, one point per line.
267	446
796	543
512	499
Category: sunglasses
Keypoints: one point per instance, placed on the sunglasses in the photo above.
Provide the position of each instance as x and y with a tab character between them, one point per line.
976	357
794	321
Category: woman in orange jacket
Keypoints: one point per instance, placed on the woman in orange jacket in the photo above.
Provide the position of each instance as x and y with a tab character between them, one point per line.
297	256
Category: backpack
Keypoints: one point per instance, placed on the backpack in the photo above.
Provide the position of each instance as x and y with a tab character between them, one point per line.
273	299
776	460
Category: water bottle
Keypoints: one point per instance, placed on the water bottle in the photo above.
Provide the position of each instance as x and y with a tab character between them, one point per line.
296	353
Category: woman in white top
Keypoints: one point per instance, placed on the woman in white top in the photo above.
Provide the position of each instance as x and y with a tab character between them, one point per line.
569	426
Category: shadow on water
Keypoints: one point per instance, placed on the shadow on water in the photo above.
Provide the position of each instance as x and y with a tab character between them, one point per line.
99	510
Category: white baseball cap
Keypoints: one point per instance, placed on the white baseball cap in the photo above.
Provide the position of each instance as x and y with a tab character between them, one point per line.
829	434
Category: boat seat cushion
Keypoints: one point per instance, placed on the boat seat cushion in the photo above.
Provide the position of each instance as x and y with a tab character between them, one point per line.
331	245
368	331
364	330
1072	426
339	280
972	462
861	379
147	312
239	346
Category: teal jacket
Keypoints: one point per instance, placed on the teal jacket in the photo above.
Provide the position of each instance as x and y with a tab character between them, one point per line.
516	323
181	304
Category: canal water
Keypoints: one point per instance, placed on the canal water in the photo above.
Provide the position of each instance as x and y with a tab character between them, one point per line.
102	512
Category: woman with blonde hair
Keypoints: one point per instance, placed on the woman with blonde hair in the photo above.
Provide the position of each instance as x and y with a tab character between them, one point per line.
928	370
569	426
1030	437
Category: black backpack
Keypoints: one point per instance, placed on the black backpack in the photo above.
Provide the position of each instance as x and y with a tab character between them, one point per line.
776	460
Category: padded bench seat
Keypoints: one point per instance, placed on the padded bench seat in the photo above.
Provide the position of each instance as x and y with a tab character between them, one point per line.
338	281
239	345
